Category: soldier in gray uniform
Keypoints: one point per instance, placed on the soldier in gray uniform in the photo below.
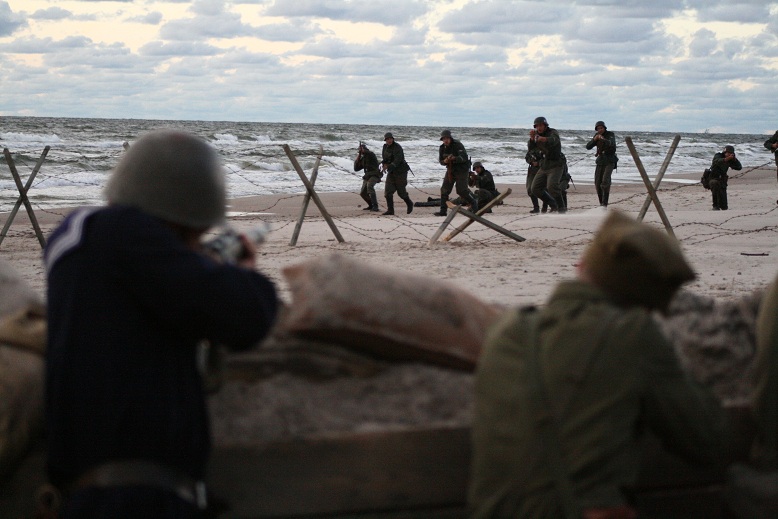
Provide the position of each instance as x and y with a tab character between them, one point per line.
367	161
606	160
547	179
722	162
393	163
453	155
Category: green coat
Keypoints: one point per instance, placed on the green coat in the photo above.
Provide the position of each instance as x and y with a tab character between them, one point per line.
769	144
606	149
551	149
634	383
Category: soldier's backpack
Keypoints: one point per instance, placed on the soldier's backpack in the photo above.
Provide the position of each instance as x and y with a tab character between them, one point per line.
705	180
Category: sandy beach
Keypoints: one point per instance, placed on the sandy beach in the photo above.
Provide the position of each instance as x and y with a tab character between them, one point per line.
734	252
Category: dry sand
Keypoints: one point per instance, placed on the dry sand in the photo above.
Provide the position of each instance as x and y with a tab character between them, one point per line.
734	252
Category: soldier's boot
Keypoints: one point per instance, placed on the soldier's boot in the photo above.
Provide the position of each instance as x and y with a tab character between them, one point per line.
373	202
544	209
535	205
599	195
723	199
715	201
606	193
561	207
367	200
549	200
408	204
473	202
443	207
389	206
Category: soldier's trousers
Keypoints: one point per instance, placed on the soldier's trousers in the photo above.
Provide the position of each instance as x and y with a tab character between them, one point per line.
718	189
368	187
602	179
460	180
548	180
395	183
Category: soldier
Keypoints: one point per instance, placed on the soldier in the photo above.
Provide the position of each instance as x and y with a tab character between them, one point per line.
368	162
722	162
545	186
483	181
131	298
453	155
393	163
533	158
606	160
564	394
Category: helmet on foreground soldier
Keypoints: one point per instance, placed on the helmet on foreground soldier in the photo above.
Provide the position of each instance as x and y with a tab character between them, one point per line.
174	176
635	264
600	123
539	120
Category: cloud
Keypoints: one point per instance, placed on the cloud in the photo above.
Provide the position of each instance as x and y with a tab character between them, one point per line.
9	21
395	13
152	18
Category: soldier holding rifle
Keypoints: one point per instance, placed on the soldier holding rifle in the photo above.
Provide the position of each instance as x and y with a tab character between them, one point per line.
368	162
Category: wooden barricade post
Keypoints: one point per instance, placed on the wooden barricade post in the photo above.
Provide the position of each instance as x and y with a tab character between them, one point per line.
659	176
650	188
312	193
23	189
306	200
481	211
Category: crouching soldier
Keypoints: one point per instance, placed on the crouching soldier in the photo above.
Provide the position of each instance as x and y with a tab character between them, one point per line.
482	179
368	162
565	394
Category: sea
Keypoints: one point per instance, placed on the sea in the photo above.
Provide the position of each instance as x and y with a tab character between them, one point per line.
82	153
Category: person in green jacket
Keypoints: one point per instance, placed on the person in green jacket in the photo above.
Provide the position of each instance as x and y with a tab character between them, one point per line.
722	162
564	394
606	160
393	163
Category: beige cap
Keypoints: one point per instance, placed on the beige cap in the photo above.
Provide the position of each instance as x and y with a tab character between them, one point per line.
636	264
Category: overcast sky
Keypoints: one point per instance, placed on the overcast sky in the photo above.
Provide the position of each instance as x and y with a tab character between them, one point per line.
653	65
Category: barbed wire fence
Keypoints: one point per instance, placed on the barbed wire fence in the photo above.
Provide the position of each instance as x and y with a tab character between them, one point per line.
420	229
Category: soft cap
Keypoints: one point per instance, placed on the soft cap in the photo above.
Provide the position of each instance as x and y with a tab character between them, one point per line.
636	264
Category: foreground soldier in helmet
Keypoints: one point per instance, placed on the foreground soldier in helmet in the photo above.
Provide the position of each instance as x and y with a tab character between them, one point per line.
130	297
564	394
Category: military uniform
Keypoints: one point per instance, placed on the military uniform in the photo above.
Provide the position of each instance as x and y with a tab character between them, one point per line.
564	395
368	162
766	392
393	157
718	178
460	169
484	184
605	162
533	160
545	186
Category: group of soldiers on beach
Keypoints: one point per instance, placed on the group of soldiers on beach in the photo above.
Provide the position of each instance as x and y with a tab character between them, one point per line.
564	394
547	174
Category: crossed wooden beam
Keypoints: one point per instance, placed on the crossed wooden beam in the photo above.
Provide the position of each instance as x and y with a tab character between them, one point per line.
652	196
23	188
310	194
471	217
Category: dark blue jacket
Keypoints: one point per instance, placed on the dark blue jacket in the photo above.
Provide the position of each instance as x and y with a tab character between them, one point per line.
128	303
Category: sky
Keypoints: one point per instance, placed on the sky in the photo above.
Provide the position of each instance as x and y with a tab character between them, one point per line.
643	65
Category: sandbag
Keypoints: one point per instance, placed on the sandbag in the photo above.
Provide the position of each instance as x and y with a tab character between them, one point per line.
391	314
22	345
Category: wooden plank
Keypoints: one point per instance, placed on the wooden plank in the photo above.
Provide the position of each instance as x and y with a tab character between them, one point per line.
357	473
659	176
312	193
649	187
306	200
491	225
443	226
481	211
23	195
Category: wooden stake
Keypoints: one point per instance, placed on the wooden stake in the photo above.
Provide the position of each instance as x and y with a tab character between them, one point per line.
649	187
23	195
306	200
443	226
312	193
659	176
491	225
481	211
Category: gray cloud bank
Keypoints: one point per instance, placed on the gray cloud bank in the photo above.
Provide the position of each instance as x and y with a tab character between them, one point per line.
476	63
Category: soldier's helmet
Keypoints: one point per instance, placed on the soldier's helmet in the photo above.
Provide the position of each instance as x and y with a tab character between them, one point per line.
388	135
173	175
444	134
539	120
729	148
600	123
477	165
